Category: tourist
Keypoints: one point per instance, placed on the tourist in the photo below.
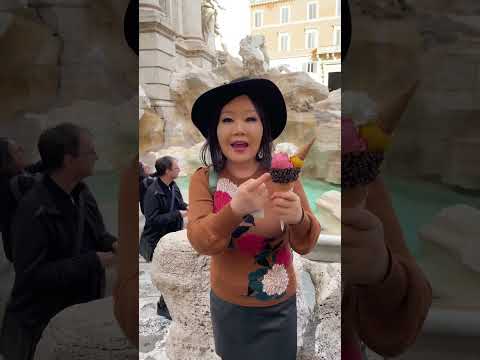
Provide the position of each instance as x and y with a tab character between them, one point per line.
14	175
59	243
240	120
145	180
164	207
164	211
386	297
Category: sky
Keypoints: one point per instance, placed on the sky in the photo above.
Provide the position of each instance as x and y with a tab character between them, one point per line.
234	23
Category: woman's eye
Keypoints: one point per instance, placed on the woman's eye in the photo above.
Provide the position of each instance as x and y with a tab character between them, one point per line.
227	120
251	119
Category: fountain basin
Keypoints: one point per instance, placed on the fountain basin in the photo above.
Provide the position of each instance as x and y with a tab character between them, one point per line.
456	287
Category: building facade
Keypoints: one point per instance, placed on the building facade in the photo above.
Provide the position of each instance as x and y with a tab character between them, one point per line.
302	35
171	33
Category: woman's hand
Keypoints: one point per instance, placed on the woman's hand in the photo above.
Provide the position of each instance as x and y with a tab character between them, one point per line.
250	196
364	254
287	206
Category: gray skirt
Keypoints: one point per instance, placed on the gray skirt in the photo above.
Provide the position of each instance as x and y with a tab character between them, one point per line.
263	333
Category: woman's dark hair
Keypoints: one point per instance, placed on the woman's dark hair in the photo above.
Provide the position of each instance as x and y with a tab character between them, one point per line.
212	146
141	170
7	166
56	142
163	164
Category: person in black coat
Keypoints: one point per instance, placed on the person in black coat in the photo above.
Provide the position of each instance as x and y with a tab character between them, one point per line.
59	243
164	207
145	180
12	165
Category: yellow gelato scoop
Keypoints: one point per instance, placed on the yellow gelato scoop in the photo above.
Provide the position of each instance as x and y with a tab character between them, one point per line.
376	138
296	161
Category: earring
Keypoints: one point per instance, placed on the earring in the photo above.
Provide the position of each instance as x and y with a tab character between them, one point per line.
260	155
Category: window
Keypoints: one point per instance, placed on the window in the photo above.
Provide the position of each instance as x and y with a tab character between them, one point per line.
312	10
339	8
284	14
311	39
310	67
258	20
284	42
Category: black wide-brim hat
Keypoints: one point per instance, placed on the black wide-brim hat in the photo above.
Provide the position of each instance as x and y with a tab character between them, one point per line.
130	25
207	107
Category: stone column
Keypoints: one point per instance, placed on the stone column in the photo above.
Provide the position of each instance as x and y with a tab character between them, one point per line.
192	20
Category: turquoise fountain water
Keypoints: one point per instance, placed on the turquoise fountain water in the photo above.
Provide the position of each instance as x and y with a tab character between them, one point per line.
105	186
455	286
417	202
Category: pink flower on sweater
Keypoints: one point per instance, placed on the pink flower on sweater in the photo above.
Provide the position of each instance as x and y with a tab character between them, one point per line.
220	199
284	256
251	244
224	193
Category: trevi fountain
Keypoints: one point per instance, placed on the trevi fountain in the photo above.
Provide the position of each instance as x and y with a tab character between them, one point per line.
427	40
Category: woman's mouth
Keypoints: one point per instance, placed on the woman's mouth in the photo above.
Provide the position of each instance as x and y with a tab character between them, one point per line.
239	146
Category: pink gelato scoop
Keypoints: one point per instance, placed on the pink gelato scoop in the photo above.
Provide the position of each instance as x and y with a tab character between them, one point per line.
281	161
351	142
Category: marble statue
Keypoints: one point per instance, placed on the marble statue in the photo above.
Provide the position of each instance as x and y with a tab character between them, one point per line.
209	19
254	54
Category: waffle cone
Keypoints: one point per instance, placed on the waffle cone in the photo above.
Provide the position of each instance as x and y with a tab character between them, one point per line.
279	187
354	197
303	152
391	113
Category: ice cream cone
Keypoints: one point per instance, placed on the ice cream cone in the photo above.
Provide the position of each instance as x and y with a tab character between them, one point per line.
391	113
282	187
303	151
354	197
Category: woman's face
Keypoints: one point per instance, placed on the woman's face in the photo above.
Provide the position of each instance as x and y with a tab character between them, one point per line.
239	130
17	154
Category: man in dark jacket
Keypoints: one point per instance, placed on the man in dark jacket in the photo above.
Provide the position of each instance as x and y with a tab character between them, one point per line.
163	205
164	211
59	242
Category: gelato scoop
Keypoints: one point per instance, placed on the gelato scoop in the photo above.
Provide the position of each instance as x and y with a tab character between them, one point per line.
285	169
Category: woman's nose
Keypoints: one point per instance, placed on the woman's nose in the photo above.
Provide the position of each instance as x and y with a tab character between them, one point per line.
239	127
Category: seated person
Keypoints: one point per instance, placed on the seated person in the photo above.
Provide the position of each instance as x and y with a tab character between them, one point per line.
59	243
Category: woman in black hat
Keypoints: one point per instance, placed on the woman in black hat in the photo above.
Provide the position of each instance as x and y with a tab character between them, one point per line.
234	217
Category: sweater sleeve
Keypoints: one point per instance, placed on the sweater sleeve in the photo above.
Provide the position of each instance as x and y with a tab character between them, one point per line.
390	315
304	236
208	232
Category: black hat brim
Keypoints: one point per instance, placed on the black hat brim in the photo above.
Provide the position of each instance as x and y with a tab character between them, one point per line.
207	107
131	24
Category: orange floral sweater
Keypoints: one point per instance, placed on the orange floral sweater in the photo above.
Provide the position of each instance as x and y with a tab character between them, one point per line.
251	262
